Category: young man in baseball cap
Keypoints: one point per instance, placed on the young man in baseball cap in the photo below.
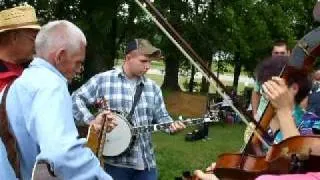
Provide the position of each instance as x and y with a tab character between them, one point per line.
119	87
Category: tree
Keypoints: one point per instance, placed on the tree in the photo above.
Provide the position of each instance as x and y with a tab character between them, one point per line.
243	29
172	10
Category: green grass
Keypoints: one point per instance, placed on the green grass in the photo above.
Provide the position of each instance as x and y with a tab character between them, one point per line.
158	65
157	78
175	155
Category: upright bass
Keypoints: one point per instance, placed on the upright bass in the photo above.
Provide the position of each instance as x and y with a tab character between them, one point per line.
281	158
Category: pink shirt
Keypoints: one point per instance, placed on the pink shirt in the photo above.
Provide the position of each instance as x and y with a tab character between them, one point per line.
308	176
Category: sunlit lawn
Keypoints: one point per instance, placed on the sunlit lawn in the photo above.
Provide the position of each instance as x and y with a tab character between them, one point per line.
175	155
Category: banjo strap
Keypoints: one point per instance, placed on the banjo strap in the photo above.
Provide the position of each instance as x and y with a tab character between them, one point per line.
9	140
137	96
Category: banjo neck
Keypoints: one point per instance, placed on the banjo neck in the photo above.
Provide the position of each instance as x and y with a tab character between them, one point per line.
124	134
163	126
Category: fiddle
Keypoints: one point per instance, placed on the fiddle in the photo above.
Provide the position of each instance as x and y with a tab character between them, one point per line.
297	154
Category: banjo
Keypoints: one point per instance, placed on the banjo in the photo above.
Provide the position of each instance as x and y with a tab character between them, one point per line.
117	141
123	135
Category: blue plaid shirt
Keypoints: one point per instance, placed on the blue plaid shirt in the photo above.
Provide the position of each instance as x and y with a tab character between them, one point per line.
116	88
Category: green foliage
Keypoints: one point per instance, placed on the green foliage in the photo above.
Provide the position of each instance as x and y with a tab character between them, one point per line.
243	28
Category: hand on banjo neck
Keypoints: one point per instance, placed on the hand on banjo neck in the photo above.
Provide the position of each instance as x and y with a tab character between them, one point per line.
173	127
106	117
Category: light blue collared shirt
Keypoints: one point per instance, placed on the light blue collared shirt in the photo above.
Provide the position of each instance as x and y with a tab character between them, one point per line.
6	171
39	109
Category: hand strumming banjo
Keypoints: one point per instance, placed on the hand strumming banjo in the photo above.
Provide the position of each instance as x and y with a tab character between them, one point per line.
121	137
96	139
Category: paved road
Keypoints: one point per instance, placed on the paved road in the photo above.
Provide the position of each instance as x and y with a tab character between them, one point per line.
243	79
198	75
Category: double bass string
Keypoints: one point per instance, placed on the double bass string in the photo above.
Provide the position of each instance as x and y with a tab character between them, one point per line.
210	79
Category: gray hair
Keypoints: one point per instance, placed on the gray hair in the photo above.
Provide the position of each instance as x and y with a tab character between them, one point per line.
58	34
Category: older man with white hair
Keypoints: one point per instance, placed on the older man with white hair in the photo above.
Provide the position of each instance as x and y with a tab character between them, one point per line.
18	29
39	106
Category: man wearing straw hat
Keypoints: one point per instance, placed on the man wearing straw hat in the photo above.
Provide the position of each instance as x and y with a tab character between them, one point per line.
18	28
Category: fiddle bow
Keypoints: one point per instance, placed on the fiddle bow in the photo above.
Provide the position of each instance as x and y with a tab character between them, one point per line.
237	165
197	62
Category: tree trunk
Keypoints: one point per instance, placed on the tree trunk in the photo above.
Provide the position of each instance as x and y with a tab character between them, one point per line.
102	48
191	82
204	83
170	81
237	71
110	57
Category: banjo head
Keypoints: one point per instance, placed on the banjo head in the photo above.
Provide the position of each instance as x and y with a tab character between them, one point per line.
119	139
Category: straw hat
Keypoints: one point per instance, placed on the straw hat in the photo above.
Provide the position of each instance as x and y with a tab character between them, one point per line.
20	17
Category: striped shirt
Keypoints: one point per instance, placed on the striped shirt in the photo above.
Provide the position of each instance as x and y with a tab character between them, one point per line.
114	86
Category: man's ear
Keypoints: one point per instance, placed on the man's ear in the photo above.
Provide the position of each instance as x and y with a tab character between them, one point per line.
131	54
295	88
59	56
128	56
